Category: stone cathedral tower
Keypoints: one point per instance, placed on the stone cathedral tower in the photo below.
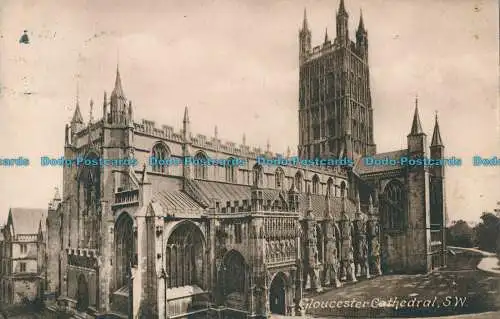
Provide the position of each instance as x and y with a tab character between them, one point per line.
335	109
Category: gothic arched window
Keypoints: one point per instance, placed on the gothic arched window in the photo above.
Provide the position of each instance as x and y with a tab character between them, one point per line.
125	249
200	170
258	175
230	171
299	181
315	186
394	199
279	176
88	202
160	153
184	256
342	189
329	186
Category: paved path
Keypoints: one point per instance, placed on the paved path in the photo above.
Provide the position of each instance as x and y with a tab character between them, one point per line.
490	262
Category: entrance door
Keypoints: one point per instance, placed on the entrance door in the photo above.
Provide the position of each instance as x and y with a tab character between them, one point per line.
277	294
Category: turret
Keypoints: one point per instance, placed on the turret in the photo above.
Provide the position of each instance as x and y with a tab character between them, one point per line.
342	24
186	146
362	38
304	39
76	122
417	139
437	148
186	127
118	101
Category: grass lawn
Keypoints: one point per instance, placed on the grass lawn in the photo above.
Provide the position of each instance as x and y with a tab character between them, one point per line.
477	292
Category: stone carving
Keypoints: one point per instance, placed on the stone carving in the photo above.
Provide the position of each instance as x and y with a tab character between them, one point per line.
331	264
376	256
350	265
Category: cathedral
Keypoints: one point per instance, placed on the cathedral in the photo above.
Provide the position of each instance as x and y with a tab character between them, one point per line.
227	241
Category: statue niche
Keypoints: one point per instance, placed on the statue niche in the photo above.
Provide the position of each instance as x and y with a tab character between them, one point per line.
331	266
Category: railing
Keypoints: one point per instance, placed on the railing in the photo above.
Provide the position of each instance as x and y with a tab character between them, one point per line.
127	197
436	237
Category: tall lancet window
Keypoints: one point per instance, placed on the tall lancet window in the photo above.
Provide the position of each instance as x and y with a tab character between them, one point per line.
329	187
258	175
342	189
394	199
315	184
299	181
200	168
230	171
88	204
159	154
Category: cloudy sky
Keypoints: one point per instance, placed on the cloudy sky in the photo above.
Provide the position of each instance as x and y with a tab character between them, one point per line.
235	64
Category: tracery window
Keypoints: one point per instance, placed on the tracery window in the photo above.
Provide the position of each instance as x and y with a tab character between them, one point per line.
258	175
394	199
160	153
230	171
315	184
184	257
342	189
200	170
329	186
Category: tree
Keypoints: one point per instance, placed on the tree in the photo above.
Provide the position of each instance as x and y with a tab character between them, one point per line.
460	234
487	232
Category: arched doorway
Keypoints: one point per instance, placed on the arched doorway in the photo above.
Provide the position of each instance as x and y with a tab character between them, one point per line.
277	294
124	249
82	294
234	272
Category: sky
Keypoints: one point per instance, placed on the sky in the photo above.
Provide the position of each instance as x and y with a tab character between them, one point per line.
234	63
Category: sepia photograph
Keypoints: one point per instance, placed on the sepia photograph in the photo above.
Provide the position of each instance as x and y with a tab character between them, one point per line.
234	159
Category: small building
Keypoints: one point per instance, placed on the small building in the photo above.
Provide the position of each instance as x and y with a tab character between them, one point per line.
23	255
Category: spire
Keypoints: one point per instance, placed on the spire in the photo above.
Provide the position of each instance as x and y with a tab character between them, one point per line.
288	151
216	132
361	25
342	9
90	111
416	126
77	115
268	146
186	115
326	36
305	25
105	107
118	90
244	140
436	135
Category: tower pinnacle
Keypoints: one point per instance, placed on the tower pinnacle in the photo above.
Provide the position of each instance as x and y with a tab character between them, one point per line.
118	90
436	135
361	25
305	25
416	127
342	10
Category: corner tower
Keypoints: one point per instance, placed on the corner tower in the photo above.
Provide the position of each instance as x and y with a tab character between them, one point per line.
335	109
